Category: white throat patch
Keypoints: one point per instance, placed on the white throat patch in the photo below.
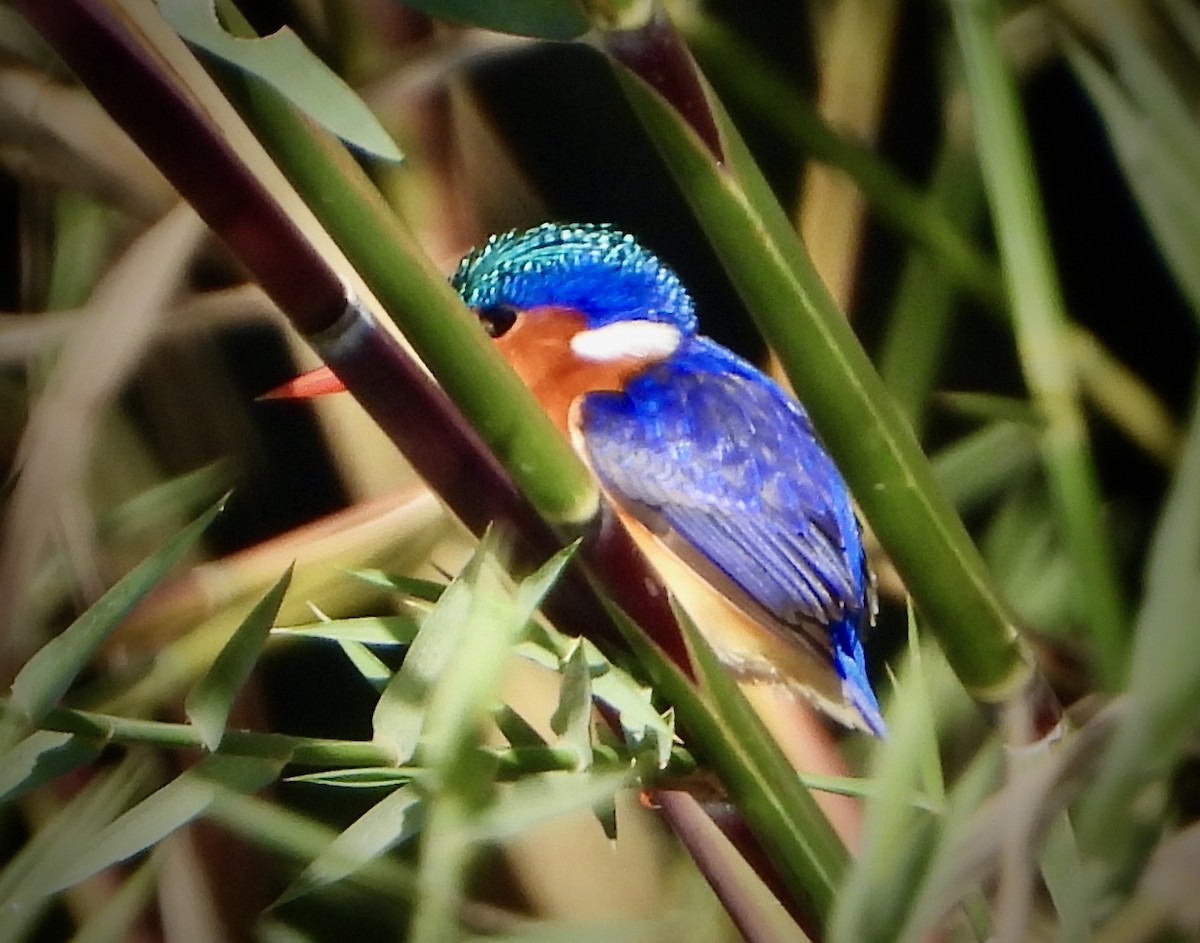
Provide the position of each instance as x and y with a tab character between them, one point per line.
638	340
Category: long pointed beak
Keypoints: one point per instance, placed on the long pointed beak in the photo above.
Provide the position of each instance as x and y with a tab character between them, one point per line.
314	383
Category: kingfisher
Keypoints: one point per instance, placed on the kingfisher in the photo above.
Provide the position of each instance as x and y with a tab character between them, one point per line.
715	470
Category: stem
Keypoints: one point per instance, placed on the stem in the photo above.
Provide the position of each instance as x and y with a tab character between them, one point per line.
513	763
1043	332
416	295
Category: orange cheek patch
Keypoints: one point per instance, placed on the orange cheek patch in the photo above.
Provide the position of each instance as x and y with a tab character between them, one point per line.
539	349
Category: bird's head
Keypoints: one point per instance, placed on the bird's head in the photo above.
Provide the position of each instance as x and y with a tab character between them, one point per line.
575	308
594	270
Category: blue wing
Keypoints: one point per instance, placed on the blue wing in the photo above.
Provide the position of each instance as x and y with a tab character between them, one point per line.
706	446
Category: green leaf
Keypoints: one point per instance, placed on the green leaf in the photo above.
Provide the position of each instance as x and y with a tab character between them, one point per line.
53	668
376	673
209	702
161	813
301	839
1166	187
537	799
1164	683
984	462
41	757
368	630
941	881
388	823
644	729
544	19
1062	871
288	66
464	696
859	788
454	731
55	845
362	777
897	836
1186	20
516	729
572	717
183	494
990	407
428	591
1041	328
400	713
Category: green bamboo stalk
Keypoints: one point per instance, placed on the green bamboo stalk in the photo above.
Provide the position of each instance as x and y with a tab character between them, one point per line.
1041	324
417	296
867	434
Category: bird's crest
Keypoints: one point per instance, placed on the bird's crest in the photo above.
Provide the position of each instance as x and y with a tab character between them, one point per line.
595	269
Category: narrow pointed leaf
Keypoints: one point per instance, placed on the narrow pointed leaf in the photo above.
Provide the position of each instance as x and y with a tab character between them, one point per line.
572	718
157	816
897	836
367	630
454	733
516	729
25	878
1165	670
302	839
533	589
643	728
51	671
400	713
537	799
468	688
287	65
41	757
364	777
424	590
373	670
388	823
183	494
209	702
1168	191
976	784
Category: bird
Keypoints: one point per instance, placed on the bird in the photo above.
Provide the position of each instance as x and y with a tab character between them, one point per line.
714	469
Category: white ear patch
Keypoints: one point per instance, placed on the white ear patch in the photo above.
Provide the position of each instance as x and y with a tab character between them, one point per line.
639	340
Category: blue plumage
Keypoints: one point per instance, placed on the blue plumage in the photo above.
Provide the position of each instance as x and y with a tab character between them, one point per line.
702	446
596	270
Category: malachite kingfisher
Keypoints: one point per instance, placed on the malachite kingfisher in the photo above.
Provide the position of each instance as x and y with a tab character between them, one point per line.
715	470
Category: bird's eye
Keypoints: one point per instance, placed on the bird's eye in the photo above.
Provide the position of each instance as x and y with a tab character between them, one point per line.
497	319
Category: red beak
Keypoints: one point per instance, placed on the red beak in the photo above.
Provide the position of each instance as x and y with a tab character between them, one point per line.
314	383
